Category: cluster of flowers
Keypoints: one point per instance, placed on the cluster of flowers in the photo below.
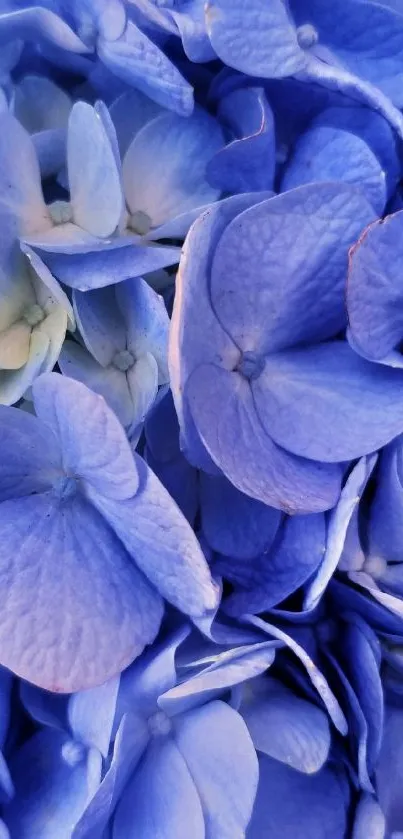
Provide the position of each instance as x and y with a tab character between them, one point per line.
201	419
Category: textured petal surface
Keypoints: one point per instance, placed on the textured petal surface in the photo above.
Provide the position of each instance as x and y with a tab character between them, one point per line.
357	33
302	236
139	62
224	413
78	627
327	403
257	38
325	153
374	296
92	440
31	457
159	538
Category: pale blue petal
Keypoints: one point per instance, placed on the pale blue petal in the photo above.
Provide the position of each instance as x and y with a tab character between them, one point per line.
219	752
94	177
164	169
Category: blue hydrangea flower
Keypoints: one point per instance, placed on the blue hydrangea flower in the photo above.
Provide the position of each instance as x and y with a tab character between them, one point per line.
75	238
68	472
275	402
35	314
125	330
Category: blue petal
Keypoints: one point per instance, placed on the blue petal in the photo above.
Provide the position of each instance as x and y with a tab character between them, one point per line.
130	742
77	363
285	727
162	799
302	236
218	671
139	62
190	20
362	669
100	323
261	43
39	104
389	772
318	680
328	153
356	36
94	176
38	23
385	527
225	416
91	266
205	338
338	525
291	804
147	322
26	469
369	820
48	709
374	297
235	524
162	543
92	440
20	179
164	169
327	403
130	112
281	570
54	777
76	629
248	162
91	714
50	148
219	752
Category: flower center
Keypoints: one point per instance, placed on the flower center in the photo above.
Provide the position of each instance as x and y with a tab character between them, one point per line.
65	487
60	212
140	222
251	365
123	360
73	753
34	315
159	723
307	36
